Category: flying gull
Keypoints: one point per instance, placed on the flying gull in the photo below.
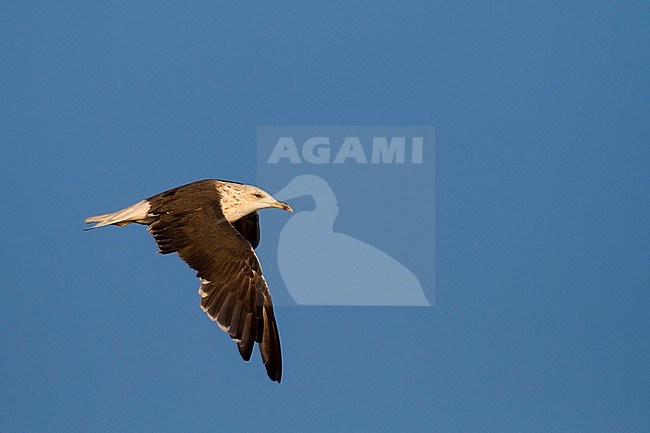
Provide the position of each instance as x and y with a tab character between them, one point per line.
213	225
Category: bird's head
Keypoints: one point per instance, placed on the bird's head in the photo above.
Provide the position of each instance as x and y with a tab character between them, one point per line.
261	199
242	200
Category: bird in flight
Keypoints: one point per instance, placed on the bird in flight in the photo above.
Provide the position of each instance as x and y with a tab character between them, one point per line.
213	225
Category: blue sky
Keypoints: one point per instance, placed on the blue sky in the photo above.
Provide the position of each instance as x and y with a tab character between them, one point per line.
542	214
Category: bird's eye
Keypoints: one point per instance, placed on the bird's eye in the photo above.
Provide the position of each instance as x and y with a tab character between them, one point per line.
257	195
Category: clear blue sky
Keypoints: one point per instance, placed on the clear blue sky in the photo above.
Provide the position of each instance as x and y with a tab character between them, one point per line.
542	223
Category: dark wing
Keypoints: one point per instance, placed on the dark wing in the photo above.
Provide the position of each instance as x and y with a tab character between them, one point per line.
249	228
233	290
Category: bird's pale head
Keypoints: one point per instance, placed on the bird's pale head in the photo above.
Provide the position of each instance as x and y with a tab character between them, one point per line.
239	200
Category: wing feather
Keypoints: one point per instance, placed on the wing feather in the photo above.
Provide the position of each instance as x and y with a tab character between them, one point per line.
234	293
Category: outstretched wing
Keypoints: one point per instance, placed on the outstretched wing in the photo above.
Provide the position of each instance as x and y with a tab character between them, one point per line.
233	290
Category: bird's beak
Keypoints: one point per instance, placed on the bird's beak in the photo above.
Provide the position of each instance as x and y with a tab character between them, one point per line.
282	205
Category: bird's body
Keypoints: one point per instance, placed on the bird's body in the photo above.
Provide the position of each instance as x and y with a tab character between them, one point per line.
213	225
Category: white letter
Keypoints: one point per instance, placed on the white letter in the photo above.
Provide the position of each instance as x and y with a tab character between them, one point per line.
382	152
416	156
284	148
351	148
322	154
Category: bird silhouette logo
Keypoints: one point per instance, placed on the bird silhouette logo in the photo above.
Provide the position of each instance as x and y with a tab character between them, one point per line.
322	267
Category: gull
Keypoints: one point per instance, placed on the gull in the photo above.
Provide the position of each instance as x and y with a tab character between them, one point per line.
213	225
